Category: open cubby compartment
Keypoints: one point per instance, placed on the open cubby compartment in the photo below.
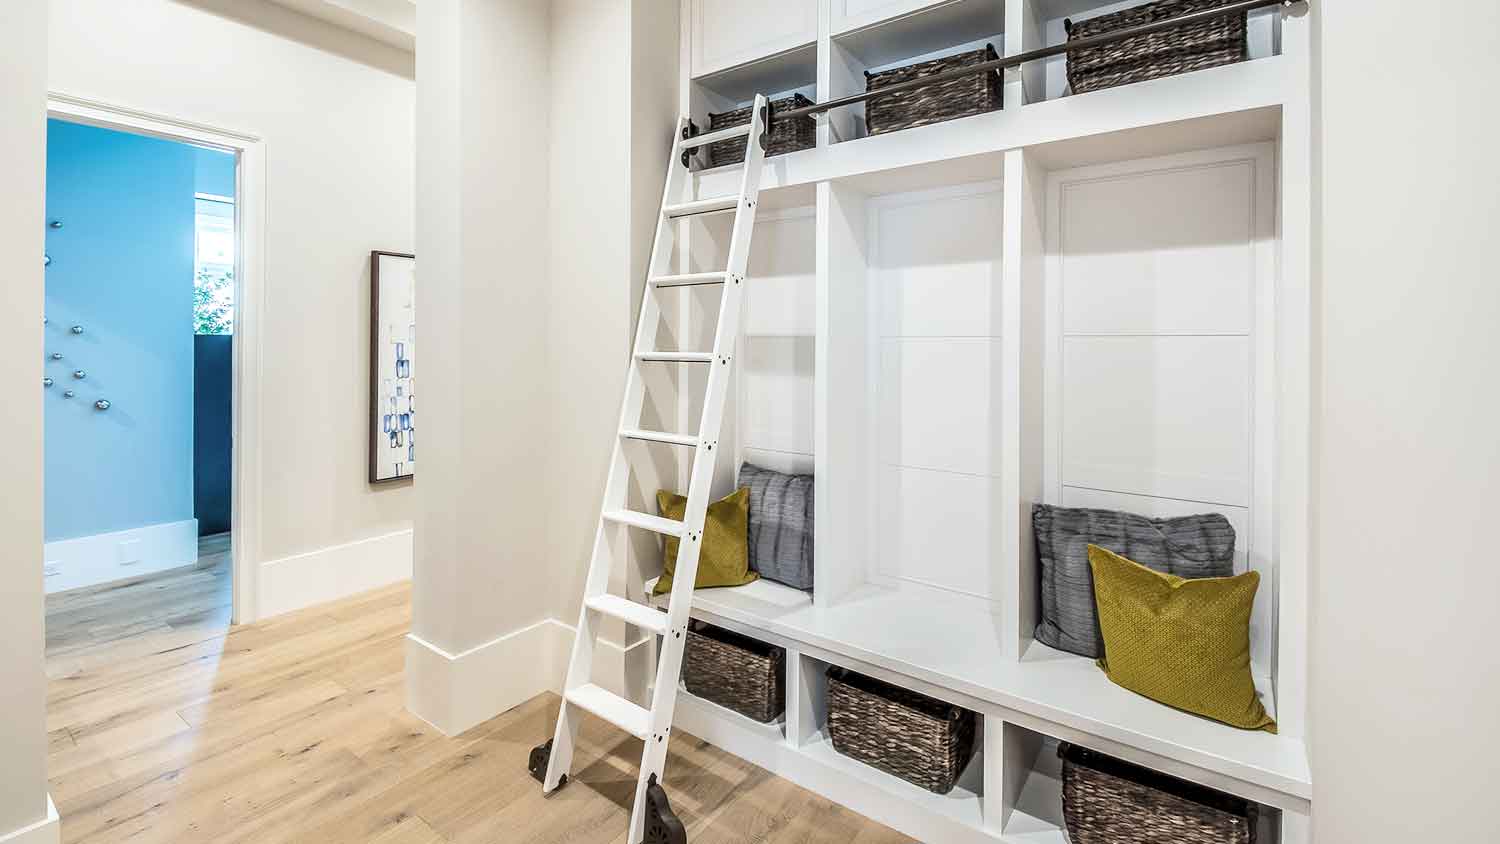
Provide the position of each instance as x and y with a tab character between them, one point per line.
768	413
1158	368
910	489
918	32
1045	26
777	77
1028	771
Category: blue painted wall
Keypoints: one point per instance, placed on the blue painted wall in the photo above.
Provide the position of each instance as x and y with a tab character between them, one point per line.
214	172
122	267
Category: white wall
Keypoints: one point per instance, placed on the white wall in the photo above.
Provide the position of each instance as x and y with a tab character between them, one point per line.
339	144
1405	681
23	743
530	205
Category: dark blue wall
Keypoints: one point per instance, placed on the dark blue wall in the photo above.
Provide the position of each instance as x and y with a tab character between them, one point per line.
213	371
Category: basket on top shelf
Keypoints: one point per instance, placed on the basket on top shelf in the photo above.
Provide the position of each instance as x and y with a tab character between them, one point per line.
1209	43
786	135
1107	801
924	741
963	96
736	672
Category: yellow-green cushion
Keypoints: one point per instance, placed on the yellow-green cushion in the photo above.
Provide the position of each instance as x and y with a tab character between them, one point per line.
724	559
1185	643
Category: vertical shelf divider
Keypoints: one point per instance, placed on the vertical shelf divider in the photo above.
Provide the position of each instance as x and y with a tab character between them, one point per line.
806	698
841	402
1023	32
1023	338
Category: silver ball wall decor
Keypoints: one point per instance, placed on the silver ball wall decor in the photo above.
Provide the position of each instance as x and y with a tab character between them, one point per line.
68	394
102	404
47	381
80	374
77	329
57	355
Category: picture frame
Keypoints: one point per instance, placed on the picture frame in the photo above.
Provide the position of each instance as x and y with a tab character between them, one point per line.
392	410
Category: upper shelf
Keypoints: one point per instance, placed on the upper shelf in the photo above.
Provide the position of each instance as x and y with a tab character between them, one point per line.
1236	103
958	647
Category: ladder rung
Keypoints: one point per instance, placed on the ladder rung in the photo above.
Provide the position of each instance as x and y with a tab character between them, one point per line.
717	205
677	357
739	131
661	437
688	280
630	612
665	527
612	708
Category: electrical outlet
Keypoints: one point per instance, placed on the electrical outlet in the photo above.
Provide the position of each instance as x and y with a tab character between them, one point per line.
128	553
52	569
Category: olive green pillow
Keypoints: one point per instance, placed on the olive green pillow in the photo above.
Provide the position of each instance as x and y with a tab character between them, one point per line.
724	559
1185	643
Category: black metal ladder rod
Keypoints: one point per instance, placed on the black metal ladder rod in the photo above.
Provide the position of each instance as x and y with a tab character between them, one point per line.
1225	11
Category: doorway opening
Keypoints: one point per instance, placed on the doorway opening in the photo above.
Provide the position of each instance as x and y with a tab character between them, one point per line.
152	278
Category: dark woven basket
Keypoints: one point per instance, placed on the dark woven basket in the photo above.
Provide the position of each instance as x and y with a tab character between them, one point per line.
1107	801
923	741
735	672
786	135
1209	43
961	97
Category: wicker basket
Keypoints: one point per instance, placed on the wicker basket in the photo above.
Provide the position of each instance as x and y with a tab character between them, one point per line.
736	672
1107	801
923	741
786	135
961	97
1210	43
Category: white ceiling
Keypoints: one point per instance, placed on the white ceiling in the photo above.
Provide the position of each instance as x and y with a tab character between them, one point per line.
392	22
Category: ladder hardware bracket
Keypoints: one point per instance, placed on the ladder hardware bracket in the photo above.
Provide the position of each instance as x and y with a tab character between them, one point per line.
537	764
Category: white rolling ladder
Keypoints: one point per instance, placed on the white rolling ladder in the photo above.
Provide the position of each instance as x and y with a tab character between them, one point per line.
651	818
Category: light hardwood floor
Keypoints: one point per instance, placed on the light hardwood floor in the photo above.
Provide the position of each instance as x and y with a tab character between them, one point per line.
168	727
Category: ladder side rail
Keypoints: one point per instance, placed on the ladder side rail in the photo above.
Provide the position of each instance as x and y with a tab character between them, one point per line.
669	669
581	661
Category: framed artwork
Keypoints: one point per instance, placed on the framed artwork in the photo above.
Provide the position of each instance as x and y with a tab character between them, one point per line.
393	374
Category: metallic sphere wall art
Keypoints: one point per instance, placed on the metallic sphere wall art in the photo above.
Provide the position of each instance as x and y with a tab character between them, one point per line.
393	381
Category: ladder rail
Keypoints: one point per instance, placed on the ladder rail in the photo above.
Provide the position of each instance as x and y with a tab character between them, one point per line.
581	661
726	334
615	520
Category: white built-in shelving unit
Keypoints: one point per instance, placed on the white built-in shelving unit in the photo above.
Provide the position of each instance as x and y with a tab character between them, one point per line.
1090	300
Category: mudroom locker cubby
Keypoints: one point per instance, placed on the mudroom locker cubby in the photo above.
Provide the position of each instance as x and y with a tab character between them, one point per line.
1080	299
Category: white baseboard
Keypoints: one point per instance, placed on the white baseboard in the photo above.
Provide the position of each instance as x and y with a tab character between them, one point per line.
48	830
335	572
455	692
117	555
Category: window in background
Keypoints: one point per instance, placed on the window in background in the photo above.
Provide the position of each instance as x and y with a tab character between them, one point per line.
213	265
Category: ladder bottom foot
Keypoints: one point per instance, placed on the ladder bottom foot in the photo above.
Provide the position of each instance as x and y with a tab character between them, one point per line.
537	765
662	827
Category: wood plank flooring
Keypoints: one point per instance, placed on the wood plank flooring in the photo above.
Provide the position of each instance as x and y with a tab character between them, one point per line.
166	726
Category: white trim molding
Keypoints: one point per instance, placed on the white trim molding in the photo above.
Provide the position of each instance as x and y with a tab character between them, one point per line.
456	692
338	571
105	557
48	830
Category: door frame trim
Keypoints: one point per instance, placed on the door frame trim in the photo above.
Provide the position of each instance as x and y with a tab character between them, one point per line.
250	227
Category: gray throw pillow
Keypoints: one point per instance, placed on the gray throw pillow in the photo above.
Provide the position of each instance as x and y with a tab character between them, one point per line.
781	525
1190	547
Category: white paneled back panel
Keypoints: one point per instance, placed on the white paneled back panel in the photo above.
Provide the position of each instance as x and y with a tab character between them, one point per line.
774	407
1159	371
731	32
936	377
1160	415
